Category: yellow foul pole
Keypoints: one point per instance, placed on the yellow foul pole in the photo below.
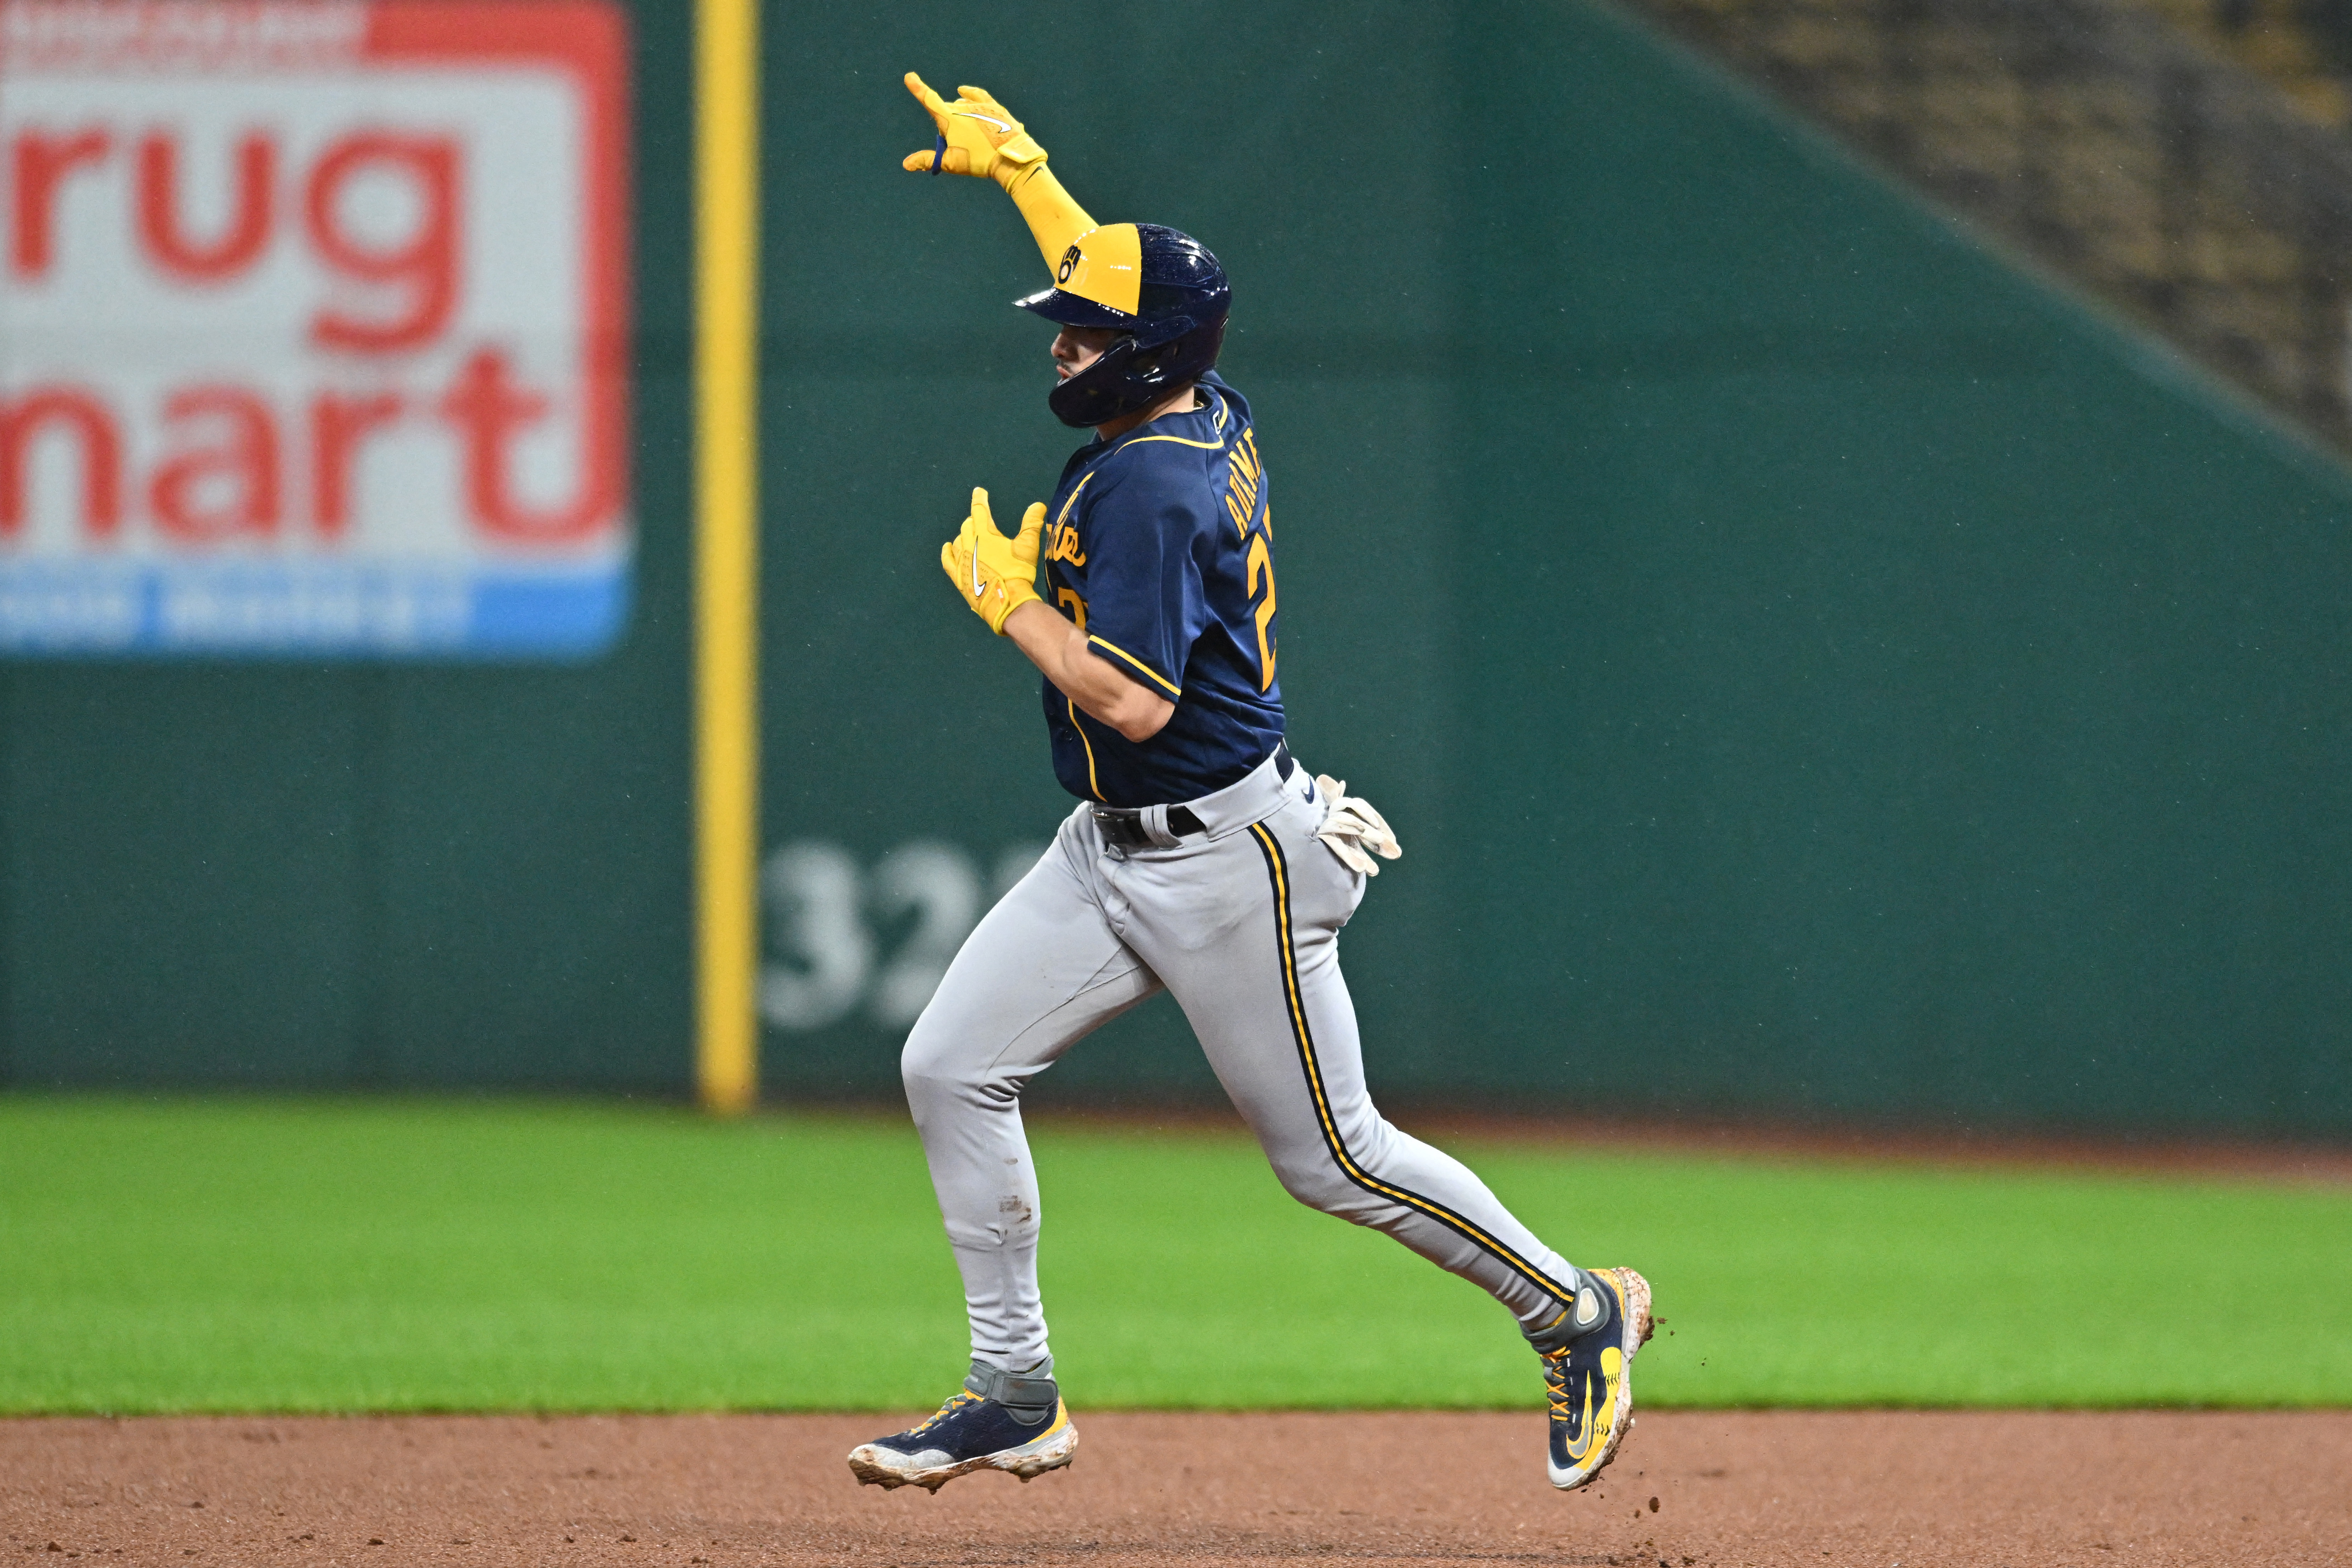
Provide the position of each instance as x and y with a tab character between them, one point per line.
726	553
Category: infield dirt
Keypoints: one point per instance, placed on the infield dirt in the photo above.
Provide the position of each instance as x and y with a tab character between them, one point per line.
1765	1487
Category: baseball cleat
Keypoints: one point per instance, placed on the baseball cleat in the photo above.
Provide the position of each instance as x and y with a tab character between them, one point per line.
1588	1359
973	1431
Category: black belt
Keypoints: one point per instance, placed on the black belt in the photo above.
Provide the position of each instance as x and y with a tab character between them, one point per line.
1123	825
1124	829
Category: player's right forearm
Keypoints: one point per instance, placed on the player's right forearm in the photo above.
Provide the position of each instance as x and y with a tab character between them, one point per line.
1106	695
1053	218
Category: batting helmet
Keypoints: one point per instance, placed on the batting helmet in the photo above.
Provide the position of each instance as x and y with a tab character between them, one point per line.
1162	290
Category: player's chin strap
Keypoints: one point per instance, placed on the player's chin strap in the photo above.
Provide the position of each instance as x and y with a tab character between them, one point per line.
1028	1396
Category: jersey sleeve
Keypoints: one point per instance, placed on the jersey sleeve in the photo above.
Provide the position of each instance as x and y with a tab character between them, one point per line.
1146	601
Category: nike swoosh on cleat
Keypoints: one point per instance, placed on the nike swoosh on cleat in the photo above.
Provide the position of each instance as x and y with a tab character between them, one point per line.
1582	1444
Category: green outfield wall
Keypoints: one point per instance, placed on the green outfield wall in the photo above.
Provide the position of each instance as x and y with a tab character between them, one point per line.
1815	667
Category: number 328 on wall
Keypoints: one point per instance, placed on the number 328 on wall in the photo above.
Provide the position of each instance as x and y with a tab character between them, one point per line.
830	921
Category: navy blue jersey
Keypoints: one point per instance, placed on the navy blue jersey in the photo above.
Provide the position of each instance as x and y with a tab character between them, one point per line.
1157	545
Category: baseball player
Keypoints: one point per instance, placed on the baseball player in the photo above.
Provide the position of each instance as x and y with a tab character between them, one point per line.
1201	858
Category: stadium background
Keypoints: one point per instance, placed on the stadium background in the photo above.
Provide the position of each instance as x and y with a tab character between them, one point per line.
1818	665
1821	520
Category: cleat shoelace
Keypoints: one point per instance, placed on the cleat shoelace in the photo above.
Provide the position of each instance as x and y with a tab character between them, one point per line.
956	1401
1556	1381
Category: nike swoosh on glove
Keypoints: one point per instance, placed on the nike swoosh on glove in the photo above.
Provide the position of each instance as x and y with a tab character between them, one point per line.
977	135
996	575
1352	826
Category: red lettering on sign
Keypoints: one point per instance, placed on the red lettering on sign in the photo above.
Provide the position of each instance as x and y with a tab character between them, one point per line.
339	423
227	487
247	312
101	455
159	209
490	410
425	265
42	163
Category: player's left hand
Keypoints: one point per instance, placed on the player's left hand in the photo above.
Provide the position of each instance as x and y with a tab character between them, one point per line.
996	575
981	136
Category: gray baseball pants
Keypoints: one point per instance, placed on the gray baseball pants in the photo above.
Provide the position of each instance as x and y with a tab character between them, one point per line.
1241	923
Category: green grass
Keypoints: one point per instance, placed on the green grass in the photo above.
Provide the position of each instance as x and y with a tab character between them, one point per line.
308	1255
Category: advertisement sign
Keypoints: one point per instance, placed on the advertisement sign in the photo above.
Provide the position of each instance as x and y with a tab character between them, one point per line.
313	328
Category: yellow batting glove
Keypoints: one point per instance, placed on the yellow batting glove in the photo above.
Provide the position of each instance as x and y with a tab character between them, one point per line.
996	575
978	136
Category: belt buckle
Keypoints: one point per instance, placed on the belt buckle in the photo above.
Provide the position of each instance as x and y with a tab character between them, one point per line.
1115	826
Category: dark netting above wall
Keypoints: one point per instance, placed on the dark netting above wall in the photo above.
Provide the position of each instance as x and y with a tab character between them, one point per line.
2131	156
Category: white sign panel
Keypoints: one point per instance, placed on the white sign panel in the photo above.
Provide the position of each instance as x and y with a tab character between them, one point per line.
313	333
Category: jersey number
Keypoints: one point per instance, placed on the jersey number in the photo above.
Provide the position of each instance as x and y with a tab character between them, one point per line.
1262	560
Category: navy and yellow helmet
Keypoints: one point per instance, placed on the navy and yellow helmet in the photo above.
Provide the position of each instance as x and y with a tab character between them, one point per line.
1162	290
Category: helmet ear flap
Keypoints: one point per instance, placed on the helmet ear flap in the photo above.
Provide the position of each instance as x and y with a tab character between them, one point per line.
1098	393
1127	378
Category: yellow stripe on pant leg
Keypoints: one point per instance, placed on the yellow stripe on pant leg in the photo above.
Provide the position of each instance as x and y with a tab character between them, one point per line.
1277	869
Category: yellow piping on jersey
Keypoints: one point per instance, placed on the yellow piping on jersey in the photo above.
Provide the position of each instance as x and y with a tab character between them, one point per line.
1091	783
1217	446
1155	675
1066	505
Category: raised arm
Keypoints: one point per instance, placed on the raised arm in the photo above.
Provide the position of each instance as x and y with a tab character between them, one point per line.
978	136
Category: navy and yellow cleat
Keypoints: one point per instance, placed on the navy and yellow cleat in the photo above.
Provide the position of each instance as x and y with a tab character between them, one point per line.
997	1421
1588	1355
